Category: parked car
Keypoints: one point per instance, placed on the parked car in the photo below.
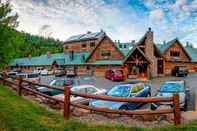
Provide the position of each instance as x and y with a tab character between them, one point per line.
179	71
29	76
44	72
174	86
57	82
12	74
123	90
70	72
114	74
60	73
38	70
87	89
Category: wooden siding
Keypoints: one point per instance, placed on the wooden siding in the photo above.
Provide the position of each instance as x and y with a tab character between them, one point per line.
176	47
169	65
106	45
77	46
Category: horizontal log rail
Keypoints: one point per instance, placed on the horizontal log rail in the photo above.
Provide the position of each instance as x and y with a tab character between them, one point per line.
123	112
21	84
124	99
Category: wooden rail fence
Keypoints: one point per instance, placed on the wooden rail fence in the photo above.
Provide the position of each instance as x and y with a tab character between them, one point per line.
19	84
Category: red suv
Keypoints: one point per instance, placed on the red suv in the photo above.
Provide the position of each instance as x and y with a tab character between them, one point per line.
114	74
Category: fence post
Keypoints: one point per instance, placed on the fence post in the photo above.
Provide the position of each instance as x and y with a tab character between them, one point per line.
177	113
19	87
67	102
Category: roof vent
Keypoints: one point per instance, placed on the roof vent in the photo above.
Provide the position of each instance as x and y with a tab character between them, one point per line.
133	42
89	32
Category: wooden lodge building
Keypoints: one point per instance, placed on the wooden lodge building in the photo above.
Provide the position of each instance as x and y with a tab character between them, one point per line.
94	53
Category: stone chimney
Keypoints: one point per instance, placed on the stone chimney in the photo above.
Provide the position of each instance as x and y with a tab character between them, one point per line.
149	51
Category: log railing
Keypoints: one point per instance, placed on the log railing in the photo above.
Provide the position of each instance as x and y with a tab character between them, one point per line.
19	84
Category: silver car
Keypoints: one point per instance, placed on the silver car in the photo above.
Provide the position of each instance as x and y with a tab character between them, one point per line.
175	86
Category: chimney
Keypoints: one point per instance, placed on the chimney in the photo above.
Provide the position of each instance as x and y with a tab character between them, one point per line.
49	54
89	32
133	42
118	41
149	29
115	41
72	55
164	42
101	30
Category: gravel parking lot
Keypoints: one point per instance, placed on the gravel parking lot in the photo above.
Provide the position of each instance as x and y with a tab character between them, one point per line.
99	82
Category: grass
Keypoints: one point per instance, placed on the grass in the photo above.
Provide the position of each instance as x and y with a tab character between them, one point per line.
18	114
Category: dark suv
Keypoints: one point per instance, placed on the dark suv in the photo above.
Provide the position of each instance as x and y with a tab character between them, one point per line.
179	71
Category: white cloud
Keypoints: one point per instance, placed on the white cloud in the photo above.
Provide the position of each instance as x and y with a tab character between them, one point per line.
156	14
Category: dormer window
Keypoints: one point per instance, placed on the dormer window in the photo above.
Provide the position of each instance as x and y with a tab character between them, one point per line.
125	46
175	54
106	54
120	45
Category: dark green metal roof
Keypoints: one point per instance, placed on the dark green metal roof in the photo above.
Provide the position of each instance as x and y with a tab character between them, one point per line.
163	47
192	53
60	58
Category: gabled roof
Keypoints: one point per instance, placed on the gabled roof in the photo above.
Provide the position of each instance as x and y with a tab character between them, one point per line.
131	52
192	53
164	47
99	42
126	50
84	37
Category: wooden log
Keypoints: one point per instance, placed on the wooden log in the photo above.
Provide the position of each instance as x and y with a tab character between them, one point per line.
19	87
67	102
41	94
123	112
177	113
196	101
124	99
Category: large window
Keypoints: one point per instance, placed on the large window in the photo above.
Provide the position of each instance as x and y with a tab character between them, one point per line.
106	54
175	54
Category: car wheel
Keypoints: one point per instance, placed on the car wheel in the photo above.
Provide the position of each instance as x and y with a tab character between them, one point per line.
185	105
123	108
149	94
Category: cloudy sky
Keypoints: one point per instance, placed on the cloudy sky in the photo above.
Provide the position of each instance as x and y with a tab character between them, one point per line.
123	20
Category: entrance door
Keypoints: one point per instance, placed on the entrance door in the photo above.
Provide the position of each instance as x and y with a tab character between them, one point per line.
160	66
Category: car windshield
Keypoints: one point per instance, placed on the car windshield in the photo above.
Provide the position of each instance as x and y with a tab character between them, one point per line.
63	82
118	72
172	87
119	91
